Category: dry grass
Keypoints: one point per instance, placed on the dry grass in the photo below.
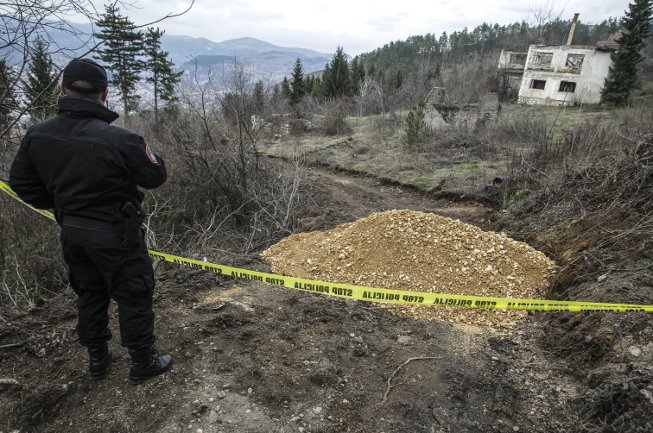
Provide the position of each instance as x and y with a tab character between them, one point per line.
451	161
31	266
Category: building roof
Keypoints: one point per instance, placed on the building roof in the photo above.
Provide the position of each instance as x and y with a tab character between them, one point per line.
612	43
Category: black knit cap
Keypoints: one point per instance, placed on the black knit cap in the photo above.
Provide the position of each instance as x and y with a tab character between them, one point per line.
85	70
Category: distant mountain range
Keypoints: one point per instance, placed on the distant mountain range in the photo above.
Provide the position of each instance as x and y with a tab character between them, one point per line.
182	48
263	59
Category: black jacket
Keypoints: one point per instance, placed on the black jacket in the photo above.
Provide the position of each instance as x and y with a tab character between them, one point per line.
77	164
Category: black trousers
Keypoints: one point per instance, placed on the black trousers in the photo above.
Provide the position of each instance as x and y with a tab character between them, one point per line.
102	268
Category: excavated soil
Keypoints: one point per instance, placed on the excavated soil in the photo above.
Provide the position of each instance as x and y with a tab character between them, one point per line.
418	251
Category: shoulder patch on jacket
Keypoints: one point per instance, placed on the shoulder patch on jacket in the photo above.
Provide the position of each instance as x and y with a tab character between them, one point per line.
151	156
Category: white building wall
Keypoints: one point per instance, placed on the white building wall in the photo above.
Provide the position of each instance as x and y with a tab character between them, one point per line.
589	79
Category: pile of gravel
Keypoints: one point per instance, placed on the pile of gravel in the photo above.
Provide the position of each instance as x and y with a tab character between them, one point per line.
421	252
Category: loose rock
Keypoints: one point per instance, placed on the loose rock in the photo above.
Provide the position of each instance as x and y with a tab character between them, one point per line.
424	252
635	351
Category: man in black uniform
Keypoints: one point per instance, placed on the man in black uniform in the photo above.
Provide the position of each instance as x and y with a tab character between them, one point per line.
89	172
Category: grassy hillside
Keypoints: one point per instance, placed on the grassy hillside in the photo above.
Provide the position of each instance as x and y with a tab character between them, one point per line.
450	161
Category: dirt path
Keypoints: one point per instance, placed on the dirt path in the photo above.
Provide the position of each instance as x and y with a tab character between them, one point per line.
341	197
257	358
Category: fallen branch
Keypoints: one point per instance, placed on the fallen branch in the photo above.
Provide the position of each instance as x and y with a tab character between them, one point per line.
394	373
9	346
9	382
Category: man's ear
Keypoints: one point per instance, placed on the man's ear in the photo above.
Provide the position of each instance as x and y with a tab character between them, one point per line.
105	94
63	89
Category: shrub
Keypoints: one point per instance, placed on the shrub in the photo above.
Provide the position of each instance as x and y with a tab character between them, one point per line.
31	266
415	126
334	113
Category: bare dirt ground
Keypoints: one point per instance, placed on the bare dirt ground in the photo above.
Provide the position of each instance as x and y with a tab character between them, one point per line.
257	358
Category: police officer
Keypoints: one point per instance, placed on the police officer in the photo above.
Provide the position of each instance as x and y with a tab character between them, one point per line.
90	172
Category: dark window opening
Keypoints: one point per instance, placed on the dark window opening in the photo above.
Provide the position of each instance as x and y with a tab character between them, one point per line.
518	59
542	58
575	61
538	84
567	86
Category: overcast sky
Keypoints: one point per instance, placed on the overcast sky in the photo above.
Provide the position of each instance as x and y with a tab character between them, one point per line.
357	25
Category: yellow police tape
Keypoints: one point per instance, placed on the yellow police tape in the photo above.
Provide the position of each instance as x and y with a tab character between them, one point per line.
388	296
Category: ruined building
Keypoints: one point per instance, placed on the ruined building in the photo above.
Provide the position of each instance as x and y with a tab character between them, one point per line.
510	73
441	113
558	75
564	75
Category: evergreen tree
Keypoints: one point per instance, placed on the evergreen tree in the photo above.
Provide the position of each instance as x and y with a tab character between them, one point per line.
316	88
276	99
357	73
623	76
325	73
259	97
337	78
41	88
123	45
309	81
297	90
163	77
415	126
285	88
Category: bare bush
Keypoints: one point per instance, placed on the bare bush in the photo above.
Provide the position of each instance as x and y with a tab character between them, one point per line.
600	179
591	208
31	267
528	129
334	113
221	195
369	97
469	84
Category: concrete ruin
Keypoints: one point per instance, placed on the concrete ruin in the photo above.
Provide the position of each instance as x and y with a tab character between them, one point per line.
564	75
441	113
557	74
510	72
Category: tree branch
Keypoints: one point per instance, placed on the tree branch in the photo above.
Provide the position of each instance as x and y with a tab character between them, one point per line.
389	385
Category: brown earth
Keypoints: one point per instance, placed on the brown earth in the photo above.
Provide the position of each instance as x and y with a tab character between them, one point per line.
424	252
257	358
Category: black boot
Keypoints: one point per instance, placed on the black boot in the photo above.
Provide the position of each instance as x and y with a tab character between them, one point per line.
99	360
147	363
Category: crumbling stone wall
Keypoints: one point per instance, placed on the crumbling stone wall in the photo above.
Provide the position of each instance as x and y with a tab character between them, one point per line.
441	114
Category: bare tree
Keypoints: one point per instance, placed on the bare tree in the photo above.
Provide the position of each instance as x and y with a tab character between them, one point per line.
222	194
369	97
22	21
541	18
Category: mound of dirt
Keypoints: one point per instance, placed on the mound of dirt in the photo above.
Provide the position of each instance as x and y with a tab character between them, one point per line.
418	251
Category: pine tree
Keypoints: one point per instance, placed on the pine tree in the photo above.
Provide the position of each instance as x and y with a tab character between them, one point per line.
357	73
316	88
337	78
415	126
285	88
123	45
259	97
163	77
41	88
325	73
623	75
297	89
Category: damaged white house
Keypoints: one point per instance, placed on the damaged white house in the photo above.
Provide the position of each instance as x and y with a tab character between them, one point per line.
564	75
560	74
